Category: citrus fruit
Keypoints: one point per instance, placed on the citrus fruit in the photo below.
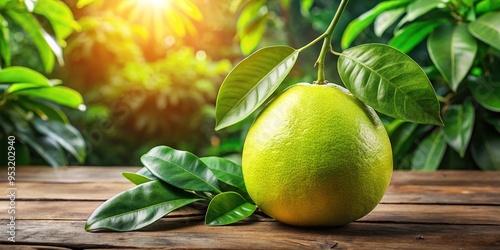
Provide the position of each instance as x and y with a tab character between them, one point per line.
317	156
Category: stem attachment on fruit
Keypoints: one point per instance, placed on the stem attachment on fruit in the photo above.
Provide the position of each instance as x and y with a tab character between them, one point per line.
327	43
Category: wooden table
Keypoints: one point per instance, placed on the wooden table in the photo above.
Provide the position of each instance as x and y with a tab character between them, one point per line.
421	210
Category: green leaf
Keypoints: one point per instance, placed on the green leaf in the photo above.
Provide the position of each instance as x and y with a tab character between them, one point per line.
429	152
5	53
386	19
180	169
406	39
45	44
226	171
138	207
59	15
452	50
252	34
65	134
146	173
45	110
305	6
390	82
459	122
135	178
485	147
46	147
251	83
355	27
487	29
227	208
16	74
487	94
418	8
402	137
58	94
487	5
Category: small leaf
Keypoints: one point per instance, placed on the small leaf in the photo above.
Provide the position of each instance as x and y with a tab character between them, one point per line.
180	169
409	37
487	94
252	34
418	8
58	94
390	82
355	27
251	83
18	74
65	134
227	208
386	19
226	171
135	178
485	147
452	50
429	152
138	207
487	29
459	122
145	172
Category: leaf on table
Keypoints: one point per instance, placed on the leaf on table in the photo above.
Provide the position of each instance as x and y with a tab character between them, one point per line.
226	171
251	83
407	38
390	82
453	50
487	29
181	169
459	123
429	152
227	208
485	147
355	27
486	93
136	178
138	207
65	134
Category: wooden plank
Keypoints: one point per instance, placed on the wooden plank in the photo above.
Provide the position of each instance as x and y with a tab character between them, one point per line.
394	213
446	177
423	194
466	195
31	247
69	174
263	235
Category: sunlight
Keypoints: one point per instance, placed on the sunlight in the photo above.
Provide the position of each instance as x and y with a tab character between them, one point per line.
154	3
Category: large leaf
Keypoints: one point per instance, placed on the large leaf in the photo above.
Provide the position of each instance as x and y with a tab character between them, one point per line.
59	15
5	53
251	83
227	208
16	74
406	39
359	24
65	134
485	147
459	122
58	94
181	169
453	50
386	19
418	8
429	152
487	29
390	82
226	171
138	207
45	44
486	93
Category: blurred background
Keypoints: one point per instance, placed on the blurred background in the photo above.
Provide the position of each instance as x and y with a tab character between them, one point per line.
148	72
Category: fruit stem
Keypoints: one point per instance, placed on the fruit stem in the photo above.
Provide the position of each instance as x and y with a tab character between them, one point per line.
327	43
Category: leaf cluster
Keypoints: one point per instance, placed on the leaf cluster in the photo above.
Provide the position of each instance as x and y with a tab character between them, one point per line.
29	102
462	39
170	180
